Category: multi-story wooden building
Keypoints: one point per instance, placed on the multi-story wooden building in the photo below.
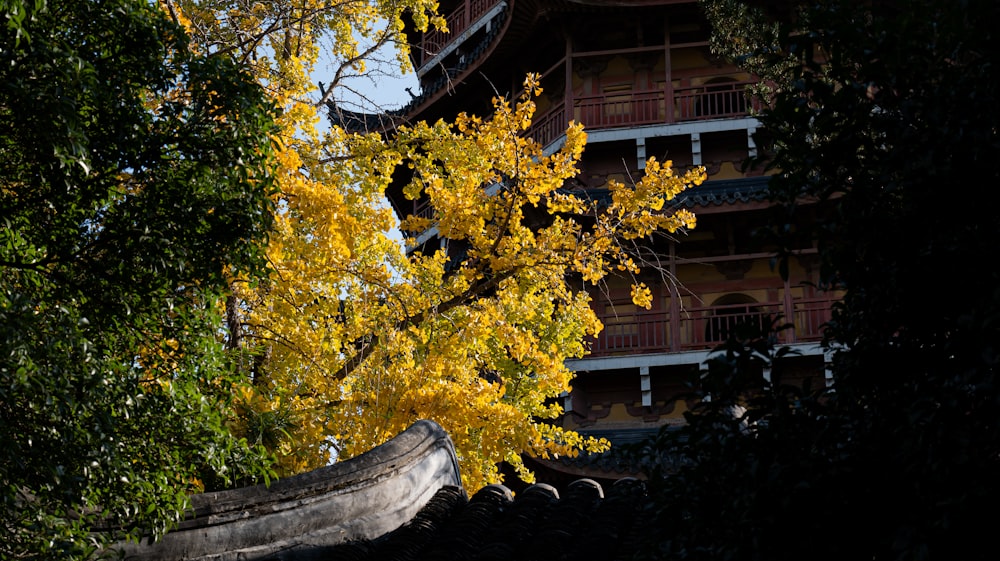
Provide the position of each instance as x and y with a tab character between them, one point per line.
640	76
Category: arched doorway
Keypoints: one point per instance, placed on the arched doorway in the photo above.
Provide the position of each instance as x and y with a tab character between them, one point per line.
730	313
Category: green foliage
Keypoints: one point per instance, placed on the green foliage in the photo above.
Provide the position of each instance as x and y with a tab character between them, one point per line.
134	184
888	117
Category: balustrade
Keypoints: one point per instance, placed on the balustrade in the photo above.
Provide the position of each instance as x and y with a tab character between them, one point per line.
460	19
707	327
637	108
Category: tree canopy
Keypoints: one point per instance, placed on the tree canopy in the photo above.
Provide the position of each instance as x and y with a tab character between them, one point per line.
135	182
197	276
887	113
352	340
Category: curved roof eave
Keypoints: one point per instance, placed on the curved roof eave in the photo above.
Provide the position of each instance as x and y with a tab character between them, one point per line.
360	498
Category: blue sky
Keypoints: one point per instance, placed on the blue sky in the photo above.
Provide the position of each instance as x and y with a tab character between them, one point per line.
387	91
382	86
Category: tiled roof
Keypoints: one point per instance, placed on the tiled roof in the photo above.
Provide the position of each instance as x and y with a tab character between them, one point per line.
629	456
495	525
360	122
616	461
727	191
404	501
710	193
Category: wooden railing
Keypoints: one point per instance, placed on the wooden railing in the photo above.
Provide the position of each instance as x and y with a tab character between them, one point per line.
549	126
620	109
809	315
422	208
707	327
460	19
625	109
713	101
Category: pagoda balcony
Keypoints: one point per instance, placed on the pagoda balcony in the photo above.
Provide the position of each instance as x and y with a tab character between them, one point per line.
461	19
703	328
642	108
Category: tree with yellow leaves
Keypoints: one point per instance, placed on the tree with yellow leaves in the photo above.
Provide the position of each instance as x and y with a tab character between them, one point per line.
352	339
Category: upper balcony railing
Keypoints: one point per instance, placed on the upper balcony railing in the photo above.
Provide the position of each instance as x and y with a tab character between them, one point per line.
706	327
467	13
651	107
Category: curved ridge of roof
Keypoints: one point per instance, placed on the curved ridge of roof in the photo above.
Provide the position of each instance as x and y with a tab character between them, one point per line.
355	121
363	122
360	498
